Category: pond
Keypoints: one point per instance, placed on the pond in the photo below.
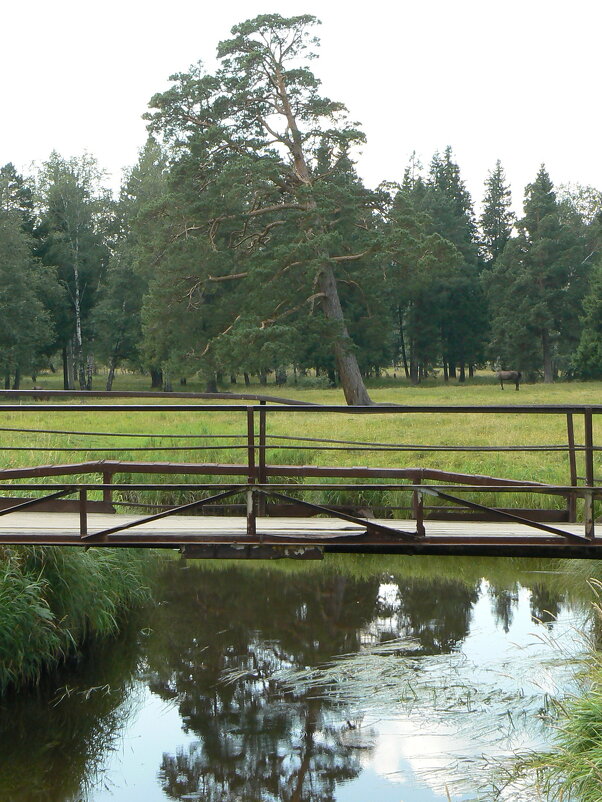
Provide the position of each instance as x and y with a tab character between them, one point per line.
401	679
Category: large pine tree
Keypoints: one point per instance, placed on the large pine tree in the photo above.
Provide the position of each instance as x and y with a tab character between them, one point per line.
251	196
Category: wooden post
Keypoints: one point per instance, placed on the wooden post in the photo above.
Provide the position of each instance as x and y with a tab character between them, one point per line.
572	499
251	473
261	504
83	513
107	493
418	508
588	513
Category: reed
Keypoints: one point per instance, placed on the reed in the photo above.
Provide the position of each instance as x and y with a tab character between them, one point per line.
54	600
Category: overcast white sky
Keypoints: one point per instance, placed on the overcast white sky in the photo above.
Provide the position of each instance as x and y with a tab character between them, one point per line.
519	81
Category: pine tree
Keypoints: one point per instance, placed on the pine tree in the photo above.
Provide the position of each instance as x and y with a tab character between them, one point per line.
250	194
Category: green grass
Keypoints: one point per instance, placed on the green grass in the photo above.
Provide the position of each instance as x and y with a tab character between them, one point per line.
572	768
53	600
412	428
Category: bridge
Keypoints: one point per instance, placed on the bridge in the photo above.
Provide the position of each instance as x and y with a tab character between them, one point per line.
264	505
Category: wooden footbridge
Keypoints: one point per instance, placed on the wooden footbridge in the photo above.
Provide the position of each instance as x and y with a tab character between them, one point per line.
262	506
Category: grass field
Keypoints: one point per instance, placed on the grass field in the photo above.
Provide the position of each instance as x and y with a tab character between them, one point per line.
167	434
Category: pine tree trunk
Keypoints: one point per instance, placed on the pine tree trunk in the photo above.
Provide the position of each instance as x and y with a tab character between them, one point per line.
462	373
247	380
346	361
156	378
414	372
7	380
402	344
70	365
111	376
17	381
445	372
471	371
347	366
548	374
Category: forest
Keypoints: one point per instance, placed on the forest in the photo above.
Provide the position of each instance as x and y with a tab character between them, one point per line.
244	243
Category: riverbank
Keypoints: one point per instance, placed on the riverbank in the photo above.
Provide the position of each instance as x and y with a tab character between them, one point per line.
52	601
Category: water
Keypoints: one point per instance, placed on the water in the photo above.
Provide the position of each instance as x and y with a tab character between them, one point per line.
233	687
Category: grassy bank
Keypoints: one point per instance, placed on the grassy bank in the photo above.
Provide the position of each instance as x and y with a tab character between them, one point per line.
53	600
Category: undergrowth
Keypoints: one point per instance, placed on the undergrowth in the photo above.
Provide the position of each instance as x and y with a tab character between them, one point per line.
53	600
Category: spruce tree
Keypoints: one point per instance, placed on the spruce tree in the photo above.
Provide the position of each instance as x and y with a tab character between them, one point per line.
497	217
464	315
536	286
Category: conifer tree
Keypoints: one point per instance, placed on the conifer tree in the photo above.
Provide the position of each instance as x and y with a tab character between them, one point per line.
464	314
497	218
251	195
536	285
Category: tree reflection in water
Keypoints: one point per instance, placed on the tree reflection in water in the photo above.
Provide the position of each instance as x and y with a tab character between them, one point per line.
249	739
256	741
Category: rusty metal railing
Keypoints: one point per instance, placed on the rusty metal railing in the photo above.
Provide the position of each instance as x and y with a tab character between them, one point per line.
258	476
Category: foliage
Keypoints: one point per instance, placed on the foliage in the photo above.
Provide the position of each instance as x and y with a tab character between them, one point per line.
73	236
535	286
25	327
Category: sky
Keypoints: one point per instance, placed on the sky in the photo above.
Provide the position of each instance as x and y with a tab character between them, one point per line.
509	80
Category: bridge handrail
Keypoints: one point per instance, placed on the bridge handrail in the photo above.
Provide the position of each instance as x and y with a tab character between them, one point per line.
256	468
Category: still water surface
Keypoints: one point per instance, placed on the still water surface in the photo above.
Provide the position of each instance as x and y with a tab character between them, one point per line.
232	688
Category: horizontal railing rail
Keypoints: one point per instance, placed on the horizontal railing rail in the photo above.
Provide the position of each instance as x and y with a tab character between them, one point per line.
260	470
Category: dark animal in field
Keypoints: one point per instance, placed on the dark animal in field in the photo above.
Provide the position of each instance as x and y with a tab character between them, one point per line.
513	376
41	396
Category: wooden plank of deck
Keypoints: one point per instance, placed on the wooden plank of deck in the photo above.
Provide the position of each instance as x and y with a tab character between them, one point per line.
442	537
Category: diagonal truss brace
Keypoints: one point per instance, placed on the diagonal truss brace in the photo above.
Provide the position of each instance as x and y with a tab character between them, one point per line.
192	505
431	491
370	525
33	501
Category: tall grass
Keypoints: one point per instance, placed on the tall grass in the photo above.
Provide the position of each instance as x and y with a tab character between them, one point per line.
572	769
53	599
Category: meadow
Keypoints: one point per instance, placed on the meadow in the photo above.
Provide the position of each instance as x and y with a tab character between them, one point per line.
219	436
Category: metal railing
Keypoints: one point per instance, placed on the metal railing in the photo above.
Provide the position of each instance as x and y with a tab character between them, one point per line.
258	478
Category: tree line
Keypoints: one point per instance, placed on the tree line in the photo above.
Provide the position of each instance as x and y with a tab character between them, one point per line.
243	242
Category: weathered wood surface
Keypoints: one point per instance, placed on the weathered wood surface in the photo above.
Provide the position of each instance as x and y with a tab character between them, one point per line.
442	537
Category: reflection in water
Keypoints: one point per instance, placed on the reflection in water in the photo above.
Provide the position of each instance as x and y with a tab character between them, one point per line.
222	637
54	739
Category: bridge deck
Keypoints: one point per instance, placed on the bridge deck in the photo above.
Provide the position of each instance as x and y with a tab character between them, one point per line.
442	537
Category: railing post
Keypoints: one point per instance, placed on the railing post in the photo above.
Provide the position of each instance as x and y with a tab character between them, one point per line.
588	513
251	473
418	508
83	512
572	499
107	492
262	475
